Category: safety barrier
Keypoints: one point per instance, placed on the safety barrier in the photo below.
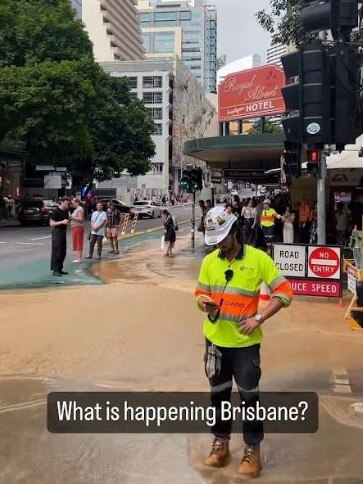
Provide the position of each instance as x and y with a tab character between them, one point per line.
125	224
134	223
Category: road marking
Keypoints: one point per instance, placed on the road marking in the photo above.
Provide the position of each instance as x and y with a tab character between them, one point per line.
341	382
2	242
41	238
27	243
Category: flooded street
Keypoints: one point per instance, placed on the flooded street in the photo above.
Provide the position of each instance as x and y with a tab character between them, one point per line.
141	331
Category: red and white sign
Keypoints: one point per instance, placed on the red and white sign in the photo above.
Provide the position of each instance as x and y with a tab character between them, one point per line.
324	262
251	94
319	288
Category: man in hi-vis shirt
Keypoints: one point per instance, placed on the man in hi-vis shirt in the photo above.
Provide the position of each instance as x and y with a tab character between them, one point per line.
228	291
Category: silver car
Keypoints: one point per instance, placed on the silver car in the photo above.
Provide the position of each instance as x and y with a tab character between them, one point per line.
146	208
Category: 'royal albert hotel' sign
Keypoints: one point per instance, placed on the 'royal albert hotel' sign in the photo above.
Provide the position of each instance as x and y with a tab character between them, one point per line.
251	94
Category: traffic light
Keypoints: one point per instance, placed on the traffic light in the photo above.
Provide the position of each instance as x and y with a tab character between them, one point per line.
339	16
313	161
346	121
197	178
192	180
307	97
292	159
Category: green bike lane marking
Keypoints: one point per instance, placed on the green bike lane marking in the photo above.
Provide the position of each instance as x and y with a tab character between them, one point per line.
37	274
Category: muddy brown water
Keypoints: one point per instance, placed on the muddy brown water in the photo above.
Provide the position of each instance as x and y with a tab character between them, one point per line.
141	331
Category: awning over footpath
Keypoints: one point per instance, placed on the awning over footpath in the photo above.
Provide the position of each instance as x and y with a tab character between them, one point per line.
258	152
349	158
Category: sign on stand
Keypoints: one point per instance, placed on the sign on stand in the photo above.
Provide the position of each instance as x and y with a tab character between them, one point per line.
352	273
312	270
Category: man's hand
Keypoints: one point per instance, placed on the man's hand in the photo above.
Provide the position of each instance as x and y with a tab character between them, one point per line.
248	326
65	221
210	307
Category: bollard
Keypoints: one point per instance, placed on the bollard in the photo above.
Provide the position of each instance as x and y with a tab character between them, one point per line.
134	222
125	224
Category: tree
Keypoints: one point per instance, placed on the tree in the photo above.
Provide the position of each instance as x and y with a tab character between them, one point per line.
283	22
60	102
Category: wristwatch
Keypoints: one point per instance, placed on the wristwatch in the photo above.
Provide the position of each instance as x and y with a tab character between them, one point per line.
259	318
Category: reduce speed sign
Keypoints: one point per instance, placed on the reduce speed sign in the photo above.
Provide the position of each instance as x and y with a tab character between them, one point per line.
324	262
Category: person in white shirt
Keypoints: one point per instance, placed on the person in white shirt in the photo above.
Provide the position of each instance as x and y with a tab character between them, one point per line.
98	225
248	215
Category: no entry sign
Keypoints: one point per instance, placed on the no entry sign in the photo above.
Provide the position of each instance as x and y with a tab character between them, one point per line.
324	262
312	270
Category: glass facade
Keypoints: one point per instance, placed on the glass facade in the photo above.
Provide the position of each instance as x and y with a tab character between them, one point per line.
198	26
77	4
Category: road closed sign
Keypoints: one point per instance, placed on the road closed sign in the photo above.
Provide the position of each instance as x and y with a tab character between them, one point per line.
290	259
324	262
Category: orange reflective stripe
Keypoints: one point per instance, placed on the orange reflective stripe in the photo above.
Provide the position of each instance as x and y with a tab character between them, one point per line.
233	304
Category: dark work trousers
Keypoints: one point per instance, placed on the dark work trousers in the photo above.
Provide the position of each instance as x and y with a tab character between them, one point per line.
93	240
242	364
59	249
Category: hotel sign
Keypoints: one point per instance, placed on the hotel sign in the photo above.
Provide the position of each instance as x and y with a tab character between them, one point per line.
251	94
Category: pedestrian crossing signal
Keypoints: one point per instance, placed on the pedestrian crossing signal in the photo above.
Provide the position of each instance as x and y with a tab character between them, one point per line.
313	161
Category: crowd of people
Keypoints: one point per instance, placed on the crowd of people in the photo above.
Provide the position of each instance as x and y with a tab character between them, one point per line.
71	213
265	220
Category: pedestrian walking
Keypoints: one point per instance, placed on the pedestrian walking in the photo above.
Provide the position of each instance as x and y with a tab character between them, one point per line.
98	224
77	223
59	219
288	230
232	329
113	227
170	234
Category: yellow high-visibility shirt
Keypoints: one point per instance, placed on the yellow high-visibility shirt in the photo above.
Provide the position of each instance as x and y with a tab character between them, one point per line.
251	268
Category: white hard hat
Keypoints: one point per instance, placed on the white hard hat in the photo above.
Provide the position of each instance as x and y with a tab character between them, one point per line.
218	223
267	200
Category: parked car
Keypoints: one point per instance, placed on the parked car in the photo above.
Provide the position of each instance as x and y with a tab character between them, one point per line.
146	208
121	206
35	211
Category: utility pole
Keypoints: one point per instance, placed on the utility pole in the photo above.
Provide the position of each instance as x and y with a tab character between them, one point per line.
193	223
321	200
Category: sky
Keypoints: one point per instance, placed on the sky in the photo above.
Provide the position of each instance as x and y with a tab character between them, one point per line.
239	34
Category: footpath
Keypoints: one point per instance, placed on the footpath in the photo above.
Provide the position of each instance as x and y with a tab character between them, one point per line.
142	332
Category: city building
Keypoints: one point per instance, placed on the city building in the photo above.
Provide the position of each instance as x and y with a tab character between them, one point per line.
113	28
180	110
274	53
187	29
77	5
242	64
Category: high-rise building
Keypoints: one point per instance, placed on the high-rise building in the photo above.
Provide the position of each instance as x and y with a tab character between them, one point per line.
113	28
77	5
187	29
274	53
181	111
242	64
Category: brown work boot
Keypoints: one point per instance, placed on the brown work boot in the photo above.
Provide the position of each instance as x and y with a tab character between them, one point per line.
219	454
251	462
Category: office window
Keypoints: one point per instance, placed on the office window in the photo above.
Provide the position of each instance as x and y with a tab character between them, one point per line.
152	97
158	129
132	81
191	37
164	42
160	16
144	17
147	42
156	113
152	81
185	15
166	23
196	20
